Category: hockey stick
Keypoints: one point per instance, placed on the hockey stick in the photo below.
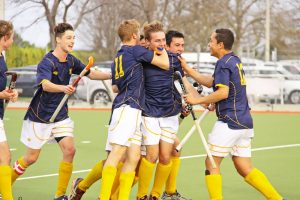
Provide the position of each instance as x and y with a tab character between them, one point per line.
191	131
199	90
211	159
74	84
12	84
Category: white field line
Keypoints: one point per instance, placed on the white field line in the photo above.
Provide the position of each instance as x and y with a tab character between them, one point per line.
183	157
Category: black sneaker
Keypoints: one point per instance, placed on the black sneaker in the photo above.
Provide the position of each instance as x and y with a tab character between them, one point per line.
62	197
76	193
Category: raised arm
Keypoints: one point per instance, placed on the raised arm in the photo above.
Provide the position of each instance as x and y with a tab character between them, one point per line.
161	60
99	75
205	80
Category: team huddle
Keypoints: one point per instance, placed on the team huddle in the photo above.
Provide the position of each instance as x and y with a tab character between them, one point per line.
141	139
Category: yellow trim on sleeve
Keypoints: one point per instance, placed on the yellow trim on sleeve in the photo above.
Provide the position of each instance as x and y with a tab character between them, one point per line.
43	81
221	85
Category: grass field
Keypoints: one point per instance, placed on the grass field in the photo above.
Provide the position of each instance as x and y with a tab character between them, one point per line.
280	164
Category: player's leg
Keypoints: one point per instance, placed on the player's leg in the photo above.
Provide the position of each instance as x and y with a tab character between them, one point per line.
23	162
128	171
151	135
67	147
254	177
171	184
220	142
5	169
121	131
213	178
80	186
169	127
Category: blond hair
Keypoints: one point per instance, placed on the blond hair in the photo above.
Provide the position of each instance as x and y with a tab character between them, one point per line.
6	28
153	27
127	28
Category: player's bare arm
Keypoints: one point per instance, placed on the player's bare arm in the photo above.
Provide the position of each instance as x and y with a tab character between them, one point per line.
220	94
161	60
200	78
99	75
48	86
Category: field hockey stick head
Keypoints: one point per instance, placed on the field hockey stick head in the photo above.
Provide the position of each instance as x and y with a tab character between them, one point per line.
199	87
90	64
13	79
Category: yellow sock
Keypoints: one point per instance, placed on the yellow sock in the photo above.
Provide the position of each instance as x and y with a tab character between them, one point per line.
214	186
260	182
92	177
116	183
161	176
18	169
126	180
115	195
145	175
64	175
5	182
108	177
171	182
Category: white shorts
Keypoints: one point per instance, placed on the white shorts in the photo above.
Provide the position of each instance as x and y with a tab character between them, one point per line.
155	129
2	132
223	141
125	122
34	135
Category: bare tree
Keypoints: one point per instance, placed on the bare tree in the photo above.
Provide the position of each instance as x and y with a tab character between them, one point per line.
59	9
242	16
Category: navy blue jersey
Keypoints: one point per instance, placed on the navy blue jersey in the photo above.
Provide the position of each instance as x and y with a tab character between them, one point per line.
3	79
127	74
43	104
235	109
162	98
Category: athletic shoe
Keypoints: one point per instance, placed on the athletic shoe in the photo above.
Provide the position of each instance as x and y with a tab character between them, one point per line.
76	193
0	197
62	197
175	196
153	197
142	198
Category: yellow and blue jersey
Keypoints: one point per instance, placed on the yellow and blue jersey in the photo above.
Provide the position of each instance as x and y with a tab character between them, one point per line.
162	98
234	110
3	80
127	74
43	104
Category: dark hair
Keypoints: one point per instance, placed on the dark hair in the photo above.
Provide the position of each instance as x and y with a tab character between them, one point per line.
172	34
226	36
6	28
61	28
142	37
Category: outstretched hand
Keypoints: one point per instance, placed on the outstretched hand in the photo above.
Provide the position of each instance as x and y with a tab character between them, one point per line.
192	98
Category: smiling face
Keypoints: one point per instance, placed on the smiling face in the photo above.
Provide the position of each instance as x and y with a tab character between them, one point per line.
66	41
213	45
157	40
176	45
